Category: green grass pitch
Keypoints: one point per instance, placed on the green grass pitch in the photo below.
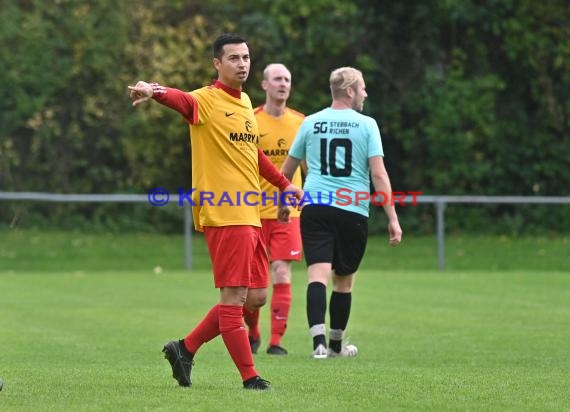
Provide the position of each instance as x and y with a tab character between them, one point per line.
89	339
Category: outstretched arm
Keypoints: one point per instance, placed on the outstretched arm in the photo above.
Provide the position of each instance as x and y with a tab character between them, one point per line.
176	99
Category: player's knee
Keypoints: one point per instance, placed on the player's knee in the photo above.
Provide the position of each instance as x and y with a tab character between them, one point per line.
261	300
343	284
281	273
256	300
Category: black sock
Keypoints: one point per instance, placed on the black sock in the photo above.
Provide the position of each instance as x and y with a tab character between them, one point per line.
316	309
339	311
319	340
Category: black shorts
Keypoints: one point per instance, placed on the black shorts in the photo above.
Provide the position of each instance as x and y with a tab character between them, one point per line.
332	235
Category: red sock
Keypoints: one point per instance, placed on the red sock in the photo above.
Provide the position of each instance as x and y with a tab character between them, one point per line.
252	322
280	305
206	330
235	338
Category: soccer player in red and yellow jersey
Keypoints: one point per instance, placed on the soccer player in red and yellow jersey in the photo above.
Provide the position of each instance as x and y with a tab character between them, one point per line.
278	126
226	164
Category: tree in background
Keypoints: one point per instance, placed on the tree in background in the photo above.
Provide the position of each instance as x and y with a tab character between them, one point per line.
471	98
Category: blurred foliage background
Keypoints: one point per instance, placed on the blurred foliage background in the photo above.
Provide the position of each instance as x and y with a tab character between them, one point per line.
471	98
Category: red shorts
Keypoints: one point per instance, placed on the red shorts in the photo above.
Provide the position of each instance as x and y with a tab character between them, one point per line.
283	239
238	255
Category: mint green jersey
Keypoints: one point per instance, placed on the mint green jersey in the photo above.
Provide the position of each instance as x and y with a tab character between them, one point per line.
337	144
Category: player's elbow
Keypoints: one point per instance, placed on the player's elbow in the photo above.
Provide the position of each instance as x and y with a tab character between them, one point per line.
378	175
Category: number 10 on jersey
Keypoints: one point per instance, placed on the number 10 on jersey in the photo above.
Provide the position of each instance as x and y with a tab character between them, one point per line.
329	152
